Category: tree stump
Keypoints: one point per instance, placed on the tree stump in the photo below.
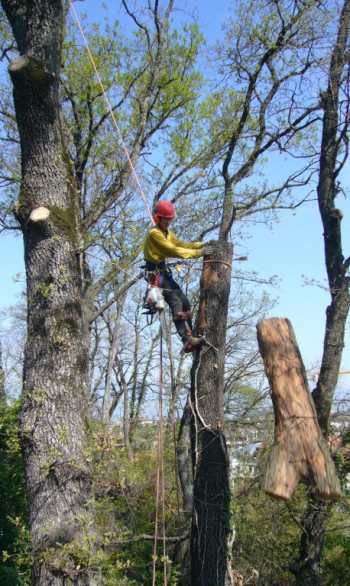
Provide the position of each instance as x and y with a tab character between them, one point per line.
299	452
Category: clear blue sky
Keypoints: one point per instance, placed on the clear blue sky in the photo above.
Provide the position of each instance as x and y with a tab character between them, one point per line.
291	249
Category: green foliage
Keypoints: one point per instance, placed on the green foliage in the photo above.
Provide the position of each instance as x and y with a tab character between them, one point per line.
267	533
15	564
336	560
154	91
119	549
124	503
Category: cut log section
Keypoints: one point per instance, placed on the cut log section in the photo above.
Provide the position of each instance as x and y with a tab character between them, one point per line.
299	452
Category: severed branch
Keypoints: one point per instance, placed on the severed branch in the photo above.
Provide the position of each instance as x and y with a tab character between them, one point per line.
299	452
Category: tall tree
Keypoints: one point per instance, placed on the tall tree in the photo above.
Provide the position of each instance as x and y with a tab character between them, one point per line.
263	108
56	355
334	154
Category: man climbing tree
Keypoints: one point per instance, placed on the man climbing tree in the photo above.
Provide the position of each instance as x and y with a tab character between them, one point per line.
159	245
57	218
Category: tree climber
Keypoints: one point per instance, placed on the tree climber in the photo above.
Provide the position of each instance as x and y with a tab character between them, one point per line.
160	244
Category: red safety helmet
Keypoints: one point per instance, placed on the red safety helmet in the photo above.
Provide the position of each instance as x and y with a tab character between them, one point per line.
164	209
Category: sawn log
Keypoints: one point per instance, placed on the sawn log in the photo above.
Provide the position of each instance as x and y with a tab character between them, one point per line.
299	452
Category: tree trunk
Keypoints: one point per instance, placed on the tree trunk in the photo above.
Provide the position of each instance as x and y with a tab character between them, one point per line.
2	378
299	451
210	521
184	470
107	403
183	455
307	568
56	353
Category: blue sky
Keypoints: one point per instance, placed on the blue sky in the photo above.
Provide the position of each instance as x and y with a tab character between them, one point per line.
282	250
293	248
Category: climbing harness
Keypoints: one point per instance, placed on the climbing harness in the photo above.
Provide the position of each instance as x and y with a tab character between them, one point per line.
153	301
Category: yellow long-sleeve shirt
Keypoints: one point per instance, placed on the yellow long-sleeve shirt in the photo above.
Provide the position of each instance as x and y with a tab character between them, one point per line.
159	245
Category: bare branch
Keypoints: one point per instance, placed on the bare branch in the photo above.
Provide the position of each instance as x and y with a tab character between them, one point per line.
139	24
118	294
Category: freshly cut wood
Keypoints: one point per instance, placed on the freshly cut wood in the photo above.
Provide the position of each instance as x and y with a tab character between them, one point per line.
39	214
299	452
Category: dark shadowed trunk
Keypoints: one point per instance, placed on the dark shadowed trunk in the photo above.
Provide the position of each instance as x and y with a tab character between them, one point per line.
184	460
307	567
334	141
211	496
56	352
184	468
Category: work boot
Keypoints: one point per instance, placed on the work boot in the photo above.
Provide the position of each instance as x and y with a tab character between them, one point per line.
191	343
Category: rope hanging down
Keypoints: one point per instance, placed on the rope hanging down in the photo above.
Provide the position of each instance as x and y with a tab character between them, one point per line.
110	108
160	488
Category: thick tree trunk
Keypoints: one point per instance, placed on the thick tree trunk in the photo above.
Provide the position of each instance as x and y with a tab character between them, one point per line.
210	521
56	352
299	451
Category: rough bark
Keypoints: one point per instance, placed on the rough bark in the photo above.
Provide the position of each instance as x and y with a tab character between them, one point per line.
56	353
307	568
211	495
300	451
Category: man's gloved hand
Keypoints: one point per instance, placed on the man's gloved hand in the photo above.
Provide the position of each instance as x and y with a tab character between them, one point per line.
208	248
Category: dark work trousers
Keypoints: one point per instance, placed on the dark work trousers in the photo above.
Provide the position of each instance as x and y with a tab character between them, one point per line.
174	296
177	301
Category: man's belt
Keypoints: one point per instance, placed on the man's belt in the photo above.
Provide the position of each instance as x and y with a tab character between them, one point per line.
152	266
